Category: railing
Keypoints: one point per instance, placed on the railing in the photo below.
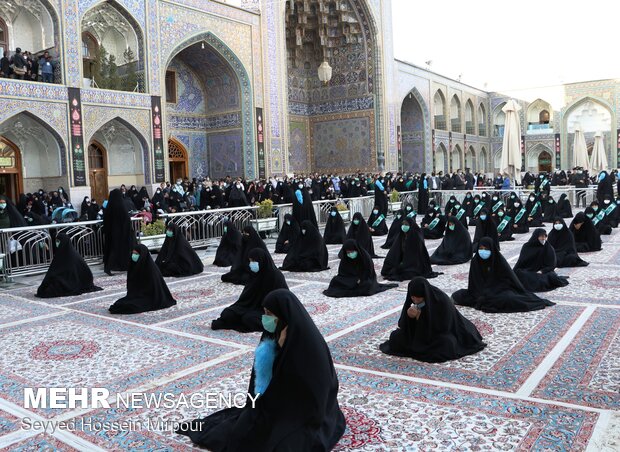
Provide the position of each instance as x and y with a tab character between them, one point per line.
29	250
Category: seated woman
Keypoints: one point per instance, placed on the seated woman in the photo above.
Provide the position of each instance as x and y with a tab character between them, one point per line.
460	214
564	208
239	272
496	204
244	315
177	257
504	226
408	210
433	224
408	256
597	216
563	242
297	388
534	211
430	328
288	234
587	237
359	232
610	210
230	244
308	253
376	223
518	213
394	229
536	264
146	288
485	227
550	211
493	286
68	275
356	274
478	205
335	232
455	247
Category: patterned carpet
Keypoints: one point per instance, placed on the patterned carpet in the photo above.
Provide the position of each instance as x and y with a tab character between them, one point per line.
548	380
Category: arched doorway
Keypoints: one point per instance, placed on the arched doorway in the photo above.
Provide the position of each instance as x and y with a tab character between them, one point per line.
11	183
177	160
544	162
413	133
4	38
98	175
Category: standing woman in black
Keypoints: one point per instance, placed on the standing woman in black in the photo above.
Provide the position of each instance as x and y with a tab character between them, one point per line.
423	195
303	209
117	234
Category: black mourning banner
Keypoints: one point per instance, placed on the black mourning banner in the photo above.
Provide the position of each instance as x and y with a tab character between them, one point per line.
77	137
158	142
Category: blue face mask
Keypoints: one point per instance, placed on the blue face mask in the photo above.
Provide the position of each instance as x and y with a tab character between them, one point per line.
352	255
601	177
288	222
451	227
356	222
376	212
333	214
405	228
169	234
269	323
225	229
57	243
254	267
484	254
135	257
590	215
421	305
558	227
483	217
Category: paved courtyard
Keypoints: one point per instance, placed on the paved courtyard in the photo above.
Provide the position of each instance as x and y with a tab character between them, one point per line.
547	380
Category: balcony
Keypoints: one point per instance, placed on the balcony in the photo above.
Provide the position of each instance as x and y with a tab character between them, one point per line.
536	128
456	125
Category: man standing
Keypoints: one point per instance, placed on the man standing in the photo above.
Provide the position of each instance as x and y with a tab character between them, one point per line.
47	68
19	64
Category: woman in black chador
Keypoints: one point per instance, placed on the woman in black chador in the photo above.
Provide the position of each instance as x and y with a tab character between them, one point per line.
302	206
455	247
564	208
230	244
308	253
430	328
423	195
358	231
239	272
334	233
356	274
587	237
244	315
408	256
288	234
493	286
433	224
146	288
563	242
504	226
117	235
550	211
68	274
297	387
536	264
177	257
394	230
534	211
485	227
376	222
518	213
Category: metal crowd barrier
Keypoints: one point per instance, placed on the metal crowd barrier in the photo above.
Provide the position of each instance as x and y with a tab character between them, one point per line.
29	250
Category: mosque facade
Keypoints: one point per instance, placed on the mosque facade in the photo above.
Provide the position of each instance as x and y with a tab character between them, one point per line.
148	91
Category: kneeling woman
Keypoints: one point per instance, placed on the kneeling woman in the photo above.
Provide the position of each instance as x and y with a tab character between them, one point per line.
308	253
177	257
146	288
587	237
536	264
68	274
245	314
455	247
563	242
230	244
356	274
239	272
408	256
297	388
493	286
431	329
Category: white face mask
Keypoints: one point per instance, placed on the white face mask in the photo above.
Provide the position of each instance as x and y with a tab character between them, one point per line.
542	241
558	227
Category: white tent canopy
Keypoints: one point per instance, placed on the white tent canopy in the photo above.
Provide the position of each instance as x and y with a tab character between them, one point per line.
580	151
599	156
511	149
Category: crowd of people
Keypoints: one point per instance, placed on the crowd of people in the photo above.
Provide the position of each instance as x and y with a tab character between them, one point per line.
293	376
23	65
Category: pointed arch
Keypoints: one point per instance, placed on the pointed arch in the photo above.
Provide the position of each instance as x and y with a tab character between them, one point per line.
456	158
482	120
415	132
470	158
441	159
533	156
455	114
470	119
499	120
439	110
482	161
539	115
245	85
